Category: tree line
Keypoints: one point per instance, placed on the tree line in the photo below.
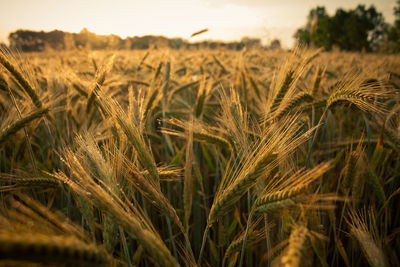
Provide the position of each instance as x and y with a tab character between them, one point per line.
358	29
29	41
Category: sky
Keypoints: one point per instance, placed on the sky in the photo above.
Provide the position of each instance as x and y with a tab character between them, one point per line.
226	20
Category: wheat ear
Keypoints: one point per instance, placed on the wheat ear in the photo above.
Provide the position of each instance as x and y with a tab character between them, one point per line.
21	123
21	80
297	240
42	248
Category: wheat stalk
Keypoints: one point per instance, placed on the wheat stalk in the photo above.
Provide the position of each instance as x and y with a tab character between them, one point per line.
132	220
20	78
297	239
101	77
35	247
133	134
21	123
363	228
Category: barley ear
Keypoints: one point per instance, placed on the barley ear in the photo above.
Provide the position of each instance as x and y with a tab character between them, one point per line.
21	123
20	78
294	252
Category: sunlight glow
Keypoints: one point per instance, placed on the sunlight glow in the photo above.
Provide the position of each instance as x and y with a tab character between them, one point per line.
226	19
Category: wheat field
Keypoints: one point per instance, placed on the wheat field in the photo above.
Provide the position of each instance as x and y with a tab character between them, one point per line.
199	158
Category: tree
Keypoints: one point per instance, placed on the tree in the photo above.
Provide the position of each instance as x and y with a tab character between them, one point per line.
394	31
251	42
275	44
26	40
315	30
352	30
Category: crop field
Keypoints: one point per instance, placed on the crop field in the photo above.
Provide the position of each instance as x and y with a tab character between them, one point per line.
199	157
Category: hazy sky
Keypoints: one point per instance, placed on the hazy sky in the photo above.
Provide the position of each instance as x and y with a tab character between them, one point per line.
226	19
